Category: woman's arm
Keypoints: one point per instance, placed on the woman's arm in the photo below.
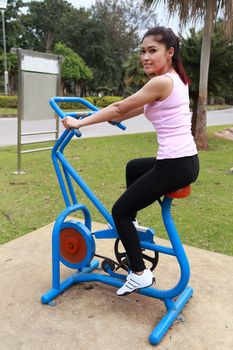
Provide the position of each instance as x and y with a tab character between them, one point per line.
130	114
157	88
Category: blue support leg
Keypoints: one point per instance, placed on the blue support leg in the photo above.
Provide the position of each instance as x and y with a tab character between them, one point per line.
54	292
173	311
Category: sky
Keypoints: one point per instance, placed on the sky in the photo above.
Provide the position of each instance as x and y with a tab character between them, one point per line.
160	10
161	14
81	3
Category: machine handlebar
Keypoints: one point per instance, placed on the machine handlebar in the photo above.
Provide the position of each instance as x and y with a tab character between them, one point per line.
53	103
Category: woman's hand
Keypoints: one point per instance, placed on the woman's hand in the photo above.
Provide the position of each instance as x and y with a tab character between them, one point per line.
71	123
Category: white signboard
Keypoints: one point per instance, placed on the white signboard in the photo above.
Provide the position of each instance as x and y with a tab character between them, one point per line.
3	4
39	65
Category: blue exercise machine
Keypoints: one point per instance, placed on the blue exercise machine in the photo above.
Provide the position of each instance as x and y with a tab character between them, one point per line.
73	243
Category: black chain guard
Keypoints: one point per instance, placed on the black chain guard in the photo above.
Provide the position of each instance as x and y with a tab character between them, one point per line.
122	258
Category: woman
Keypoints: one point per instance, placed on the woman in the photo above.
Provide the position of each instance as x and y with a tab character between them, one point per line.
164	100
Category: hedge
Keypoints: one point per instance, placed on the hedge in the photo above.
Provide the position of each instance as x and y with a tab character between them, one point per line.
12	102
95	100
8	101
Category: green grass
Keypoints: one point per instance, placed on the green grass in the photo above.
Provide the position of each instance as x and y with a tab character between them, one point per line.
13	111
32	200
8	111
217	107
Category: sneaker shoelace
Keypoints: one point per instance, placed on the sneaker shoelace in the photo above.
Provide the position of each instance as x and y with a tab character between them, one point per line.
131	284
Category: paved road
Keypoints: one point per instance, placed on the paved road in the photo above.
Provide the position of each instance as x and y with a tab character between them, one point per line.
8	127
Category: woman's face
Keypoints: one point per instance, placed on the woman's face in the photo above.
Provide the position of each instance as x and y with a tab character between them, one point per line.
155	57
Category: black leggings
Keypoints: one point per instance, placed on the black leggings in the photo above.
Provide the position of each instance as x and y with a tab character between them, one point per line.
147	180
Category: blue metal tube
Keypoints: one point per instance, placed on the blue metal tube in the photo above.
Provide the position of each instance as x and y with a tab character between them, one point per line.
68	180
53	293
61	182
79	114
64	139
157	248
62	142
108	233
113	281
171	229
177	246
56	239
57	99
59	142
70	186
162	327
62	115
86	189
53	102
180	292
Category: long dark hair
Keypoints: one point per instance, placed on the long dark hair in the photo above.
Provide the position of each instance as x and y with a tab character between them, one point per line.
169	39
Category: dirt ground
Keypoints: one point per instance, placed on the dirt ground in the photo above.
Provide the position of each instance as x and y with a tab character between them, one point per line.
226	134
93	317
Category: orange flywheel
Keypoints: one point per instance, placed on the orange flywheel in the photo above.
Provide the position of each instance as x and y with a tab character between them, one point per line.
77	245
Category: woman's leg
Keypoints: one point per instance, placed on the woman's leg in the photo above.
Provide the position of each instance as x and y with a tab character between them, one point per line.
135	168
166	176
124	210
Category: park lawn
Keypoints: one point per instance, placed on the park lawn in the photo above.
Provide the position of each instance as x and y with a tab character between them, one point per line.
32	200
13	111
8	112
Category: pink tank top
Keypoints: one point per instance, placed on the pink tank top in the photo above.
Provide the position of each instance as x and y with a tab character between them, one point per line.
171	119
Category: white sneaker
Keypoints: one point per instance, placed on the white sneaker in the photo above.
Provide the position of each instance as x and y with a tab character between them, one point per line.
139	227
135	282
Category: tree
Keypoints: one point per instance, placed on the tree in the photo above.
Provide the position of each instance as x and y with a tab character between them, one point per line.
221	73
191	50
44	23
74	69
220	81
108	38
134	75
209	10
12	67
14	27
104	36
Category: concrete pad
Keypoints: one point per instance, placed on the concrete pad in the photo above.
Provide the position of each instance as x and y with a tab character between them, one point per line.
91	316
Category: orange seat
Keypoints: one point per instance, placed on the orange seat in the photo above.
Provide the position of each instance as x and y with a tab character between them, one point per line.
181	193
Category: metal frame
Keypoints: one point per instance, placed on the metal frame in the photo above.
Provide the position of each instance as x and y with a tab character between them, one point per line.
174	298
20	134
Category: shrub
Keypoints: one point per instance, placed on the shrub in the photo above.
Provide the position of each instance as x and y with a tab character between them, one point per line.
107	100
8	101
12	102
219	100
95	100
71	105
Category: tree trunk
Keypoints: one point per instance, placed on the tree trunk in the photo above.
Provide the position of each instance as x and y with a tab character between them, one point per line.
194	115
62	88
201	133
49	41
11	85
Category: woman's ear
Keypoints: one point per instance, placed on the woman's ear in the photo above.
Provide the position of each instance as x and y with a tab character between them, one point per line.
171	52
